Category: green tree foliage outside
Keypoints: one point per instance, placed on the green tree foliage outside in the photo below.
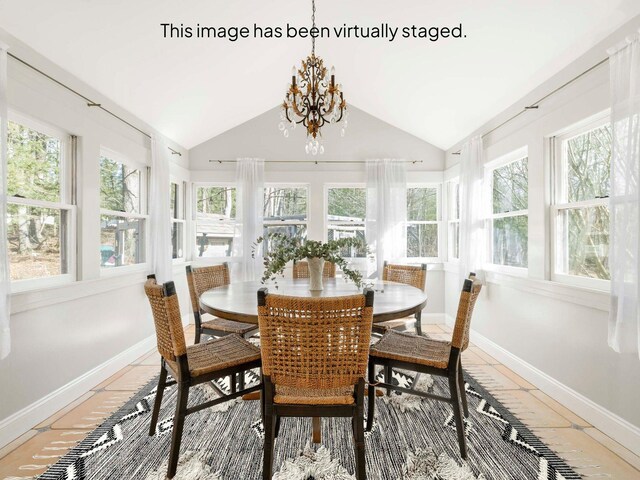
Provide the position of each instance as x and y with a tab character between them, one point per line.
33	233
422	238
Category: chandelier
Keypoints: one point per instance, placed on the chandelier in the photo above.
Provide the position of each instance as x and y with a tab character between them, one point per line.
313	98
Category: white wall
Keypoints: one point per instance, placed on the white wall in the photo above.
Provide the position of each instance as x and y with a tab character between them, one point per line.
560	331
59	334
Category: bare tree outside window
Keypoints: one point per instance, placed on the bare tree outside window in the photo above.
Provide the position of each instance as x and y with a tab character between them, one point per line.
422	222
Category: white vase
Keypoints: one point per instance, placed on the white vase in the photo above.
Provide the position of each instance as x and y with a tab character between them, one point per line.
316	266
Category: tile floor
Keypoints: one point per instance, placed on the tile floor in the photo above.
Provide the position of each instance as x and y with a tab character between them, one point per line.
585	448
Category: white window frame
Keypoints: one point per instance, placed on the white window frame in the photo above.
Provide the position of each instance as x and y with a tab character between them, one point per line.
490	217
560	203
453	218
438	222
64	204
181	215
194	236
360	261
143	215
280	223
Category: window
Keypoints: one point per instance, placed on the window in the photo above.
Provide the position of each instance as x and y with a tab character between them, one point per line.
40	216
508	218
423	214
347	210
285	211
581	212
122	218
453	219
215	220
176	207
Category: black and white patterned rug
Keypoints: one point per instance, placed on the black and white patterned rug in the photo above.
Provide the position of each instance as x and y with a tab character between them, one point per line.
413	439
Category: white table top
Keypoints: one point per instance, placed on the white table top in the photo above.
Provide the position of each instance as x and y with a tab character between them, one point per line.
239	301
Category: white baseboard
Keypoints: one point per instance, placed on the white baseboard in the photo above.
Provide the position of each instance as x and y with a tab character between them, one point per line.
24	420
608	422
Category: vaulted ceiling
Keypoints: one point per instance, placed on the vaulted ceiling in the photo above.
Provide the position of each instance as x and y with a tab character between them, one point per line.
194	89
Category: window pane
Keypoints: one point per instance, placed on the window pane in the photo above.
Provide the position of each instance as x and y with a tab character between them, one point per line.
588	157
348	230
510	236
586	237
290	230
454	200
33	164
35	240
214	238
177	239
119	186
422	204
422	240
173	200
347	204
511	187
217	202
285	204
121	241
454	239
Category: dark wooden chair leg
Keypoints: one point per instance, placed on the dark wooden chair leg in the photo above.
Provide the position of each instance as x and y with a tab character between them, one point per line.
178	424
371	405
277	426
361	472
241	380
198	322
388	378
463	392
269	434
232	383
457	413
158	400
419	323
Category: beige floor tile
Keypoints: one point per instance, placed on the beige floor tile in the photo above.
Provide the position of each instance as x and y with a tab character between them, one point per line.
529	410
562	410
485	356
152	358
490	378
515	377
11	446
469	357
92	412
134	378
432	328
614	446
585	455
38	453
64	411
112	378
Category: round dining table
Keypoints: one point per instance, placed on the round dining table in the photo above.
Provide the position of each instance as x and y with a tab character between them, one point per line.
239	301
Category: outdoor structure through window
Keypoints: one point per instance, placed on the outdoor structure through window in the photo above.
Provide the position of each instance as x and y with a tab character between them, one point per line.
215	220
285	211
346	213
122	211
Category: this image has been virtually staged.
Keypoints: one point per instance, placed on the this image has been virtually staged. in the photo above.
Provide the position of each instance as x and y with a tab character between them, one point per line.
320	241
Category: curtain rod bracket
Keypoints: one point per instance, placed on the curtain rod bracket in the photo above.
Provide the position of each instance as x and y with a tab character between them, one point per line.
93	104
532	107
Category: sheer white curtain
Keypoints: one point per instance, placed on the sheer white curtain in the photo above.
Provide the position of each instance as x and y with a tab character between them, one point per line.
5	310
249	204
624	316
472	235
159	212
385	227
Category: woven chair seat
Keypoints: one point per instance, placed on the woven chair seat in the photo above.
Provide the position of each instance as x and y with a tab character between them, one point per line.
313	396
218	354
228	326
410	348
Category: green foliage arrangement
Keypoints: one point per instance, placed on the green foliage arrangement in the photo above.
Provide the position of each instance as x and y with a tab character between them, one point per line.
283	249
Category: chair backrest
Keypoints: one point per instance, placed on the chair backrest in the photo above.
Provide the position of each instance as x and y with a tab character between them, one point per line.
301	270
468	296
166	316
315	343
414	275
201	279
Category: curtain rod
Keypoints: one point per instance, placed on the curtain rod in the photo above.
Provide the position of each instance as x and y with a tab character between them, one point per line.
90	103
535	105
316	162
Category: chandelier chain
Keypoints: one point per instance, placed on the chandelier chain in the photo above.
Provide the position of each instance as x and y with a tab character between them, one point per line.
313	25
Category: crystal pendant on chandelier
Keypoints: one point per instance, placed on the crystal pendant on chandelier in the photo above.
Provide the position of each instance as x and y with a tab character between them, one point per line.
313	99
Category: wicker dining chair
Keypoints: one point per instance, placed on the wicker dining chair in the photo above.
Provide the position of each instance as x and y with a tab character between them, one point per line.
301	270
191	365
201	279
414	275
419	354
314	361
